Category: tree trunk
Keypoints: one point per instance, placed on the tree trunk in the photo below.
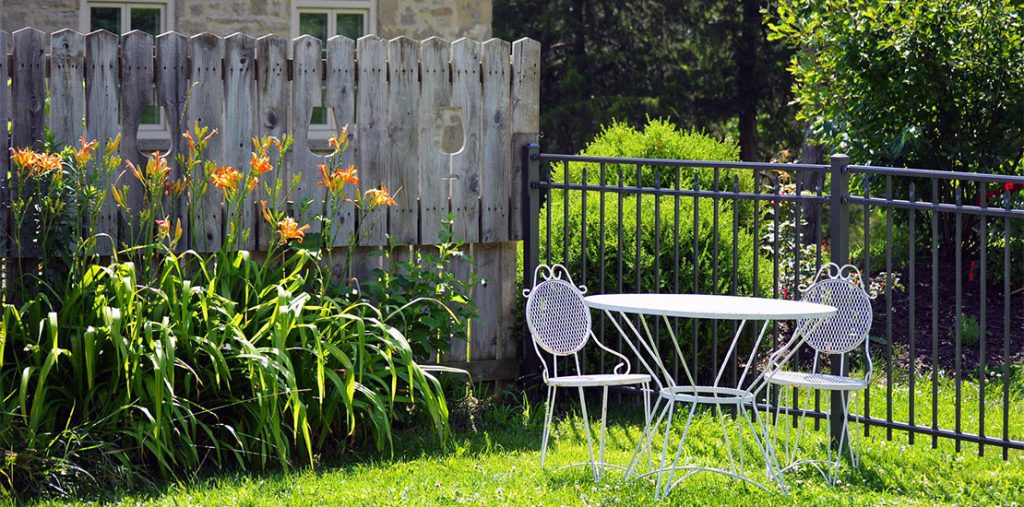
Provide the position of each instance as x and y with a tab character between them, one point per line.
747	86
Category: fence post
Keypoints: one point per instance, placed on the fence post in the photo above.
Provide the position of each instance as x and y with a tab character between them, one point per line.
530	209
839	239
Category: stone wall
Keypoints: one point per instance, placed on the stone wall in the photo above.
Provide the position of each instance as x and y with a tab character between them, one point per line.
46	15
418	19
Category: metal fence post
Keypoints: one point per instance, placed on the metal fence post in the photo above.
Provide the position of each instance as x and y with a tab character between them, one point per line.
839	239
531	242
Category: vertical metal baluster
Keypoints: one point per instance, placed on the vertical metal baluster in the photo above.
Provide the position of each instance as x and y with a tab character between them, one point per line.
547	204
888	307
935	312
866	188
912	306
675	270
1006	325
638	236
957	270
735	260
714	266
775	253
565	214
696	268
600	254
583	254
619	249
657	245
797	218
817	266
982	269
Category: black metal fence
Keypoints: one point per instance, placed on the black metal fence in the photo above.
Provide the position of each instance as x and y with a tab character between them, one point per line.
943	251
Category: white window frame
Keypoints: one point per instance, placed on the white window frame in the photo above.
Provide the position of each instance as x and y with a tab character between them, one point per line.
147	131
368	8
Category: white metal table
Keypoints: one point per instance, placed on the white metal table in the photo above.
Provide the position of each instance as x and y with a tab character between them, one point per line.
670	393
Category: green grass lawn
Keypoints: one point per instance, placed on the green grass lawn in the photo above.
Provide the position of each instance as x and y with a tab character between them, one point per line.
498	465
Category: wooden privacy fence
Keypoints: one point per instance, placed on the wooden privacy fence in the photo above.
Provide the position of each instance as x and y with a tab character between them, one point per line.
392	93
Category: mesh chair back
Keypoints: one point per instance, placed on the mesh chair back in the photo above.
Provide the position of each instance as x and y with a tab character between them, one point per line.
558	319
846	329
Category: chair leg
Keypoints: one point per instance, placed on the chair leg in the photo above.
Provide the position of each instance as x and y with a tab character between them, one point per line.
604	430
549	412
586	427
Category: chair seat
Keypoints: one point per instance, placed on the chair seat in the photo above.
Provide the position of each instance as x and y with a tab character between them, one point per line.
605	379
818	381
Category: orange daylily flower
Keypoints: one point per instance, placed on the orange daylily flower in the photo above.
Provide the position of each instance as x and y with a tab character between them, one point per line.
266	214
336	143
253	183
260	164
158	167
84	154
380	197
336	180
191	142
226	178
23	158
289	229
175	187
48	162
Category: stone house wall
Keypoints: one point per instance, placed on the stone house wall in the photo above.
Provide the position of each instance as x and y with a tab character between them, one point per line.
418	19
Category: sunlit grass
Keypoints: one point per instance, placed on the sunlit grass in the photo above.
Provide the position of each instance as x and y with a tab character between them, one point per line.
498	465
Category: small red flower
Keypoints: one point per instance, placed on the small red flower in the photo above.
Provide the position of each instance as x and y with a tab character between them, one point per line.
970	272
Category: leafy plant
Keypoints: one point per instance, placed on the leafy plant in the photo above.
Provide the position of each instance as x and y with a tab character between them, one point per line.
158	360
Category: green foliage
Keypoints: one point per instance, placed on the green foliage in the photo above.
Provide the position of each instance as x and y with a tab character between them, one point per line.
698	63
165	361
645	249
925	83
413	290
970	331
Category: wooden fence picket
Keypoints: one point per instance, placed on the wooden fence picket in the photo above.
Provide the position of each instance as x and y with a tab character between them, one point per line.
67	86
403	107
102	97
465	164
206	109
396	97
371	119
435	95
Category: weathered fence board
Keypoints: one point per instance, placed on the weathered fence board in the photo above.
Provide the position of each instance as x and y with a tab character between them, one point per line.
28	80
395	96
403	105
273	89
339	87
306	94
240	121
5	142
435	94
103	94
465	164
525	117
136	93
171	95
206	109
67	86
371	118
496	166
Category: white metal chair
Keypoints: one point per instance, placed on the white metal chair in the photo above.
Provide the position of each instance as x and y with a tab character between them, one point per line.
560	324
840	334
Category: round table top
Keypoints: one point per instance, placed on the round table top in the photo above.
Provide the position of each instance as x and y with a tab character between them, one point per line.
700	306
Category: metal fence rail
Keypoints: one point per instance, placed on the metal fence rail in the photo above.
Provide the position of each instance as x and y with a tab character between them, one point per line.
943	251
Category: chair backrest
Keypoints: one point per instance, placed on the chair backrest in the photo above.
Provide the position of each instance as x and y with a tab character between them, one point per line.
558	319
848	328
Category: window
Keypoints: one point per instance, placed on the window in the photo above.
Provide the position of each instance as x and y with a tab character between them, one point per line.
324	19
149	16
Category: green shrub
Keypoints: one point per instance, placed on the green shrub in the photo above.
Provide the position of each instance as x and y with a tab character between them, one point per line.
655	267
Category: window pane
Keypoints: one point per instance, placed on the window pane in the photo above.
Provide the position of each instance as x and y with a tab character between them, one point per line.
150	115
105	18
313	23
350	25
146	19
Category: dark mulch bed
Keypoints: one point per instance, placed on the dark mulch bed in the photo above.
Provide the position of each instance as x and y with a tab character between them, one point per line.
946	309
